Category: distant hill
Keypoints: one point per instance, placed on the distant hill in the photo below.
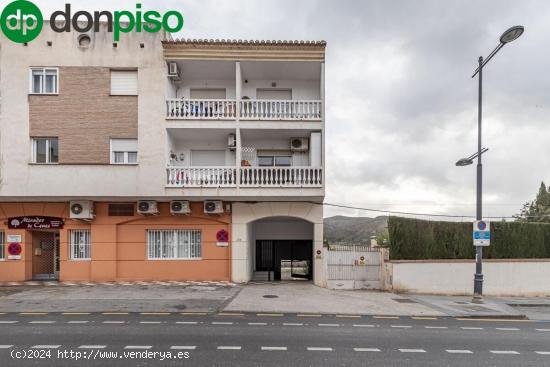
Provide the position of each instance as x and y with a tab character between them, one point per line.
353	229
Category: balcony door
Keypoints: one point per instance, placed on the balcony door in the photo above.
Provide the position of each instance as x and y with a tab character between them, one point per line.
208	158
210	93
274	94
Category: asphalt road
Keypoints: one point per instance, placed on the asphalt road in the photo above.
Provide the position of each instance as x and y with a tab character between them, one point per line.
194	339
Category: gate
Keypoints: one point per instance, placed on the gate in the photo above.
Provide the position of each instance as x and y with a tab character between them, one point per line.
354	267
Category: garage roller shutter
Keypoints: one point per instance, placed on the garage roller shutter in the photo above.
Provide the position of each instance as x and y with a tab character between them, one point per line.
124	82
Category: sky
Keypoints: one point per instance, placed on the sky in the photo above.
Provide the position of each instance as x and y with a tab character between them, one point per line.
401	104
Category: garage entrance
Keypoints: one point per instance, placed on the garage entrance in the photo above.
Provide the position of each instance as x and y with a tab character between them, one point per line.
285	259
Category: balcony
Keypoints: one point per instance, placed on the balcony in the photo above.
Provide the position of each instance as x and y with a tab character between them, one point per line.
249	177
201	109
261	109
252	109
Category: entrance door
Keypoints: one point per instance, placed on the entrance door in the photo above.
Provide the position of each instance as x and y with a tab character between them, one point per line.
285	259
45	255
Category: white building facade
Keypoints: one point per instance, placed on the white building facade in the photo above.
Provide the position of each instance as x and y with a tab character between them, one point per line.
232	130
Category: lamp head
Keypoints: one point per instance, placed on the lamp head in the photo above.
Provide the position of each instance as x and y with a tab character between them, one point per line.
464	162
511	34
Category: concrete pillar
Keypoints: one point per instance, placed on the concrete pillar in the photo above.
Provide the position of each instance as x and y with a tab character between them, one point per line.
319	271
240	261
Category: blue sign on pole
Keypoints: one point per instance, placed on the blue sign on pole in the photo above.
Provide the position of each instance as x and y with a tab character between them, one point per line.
482	233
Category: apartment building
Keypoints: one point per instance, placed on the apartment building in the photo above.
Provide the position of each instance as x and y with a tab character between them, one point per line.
160	159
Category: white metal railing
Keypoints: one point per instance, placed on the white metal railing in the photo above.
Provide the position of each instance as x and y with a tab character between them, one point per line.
281	177
209	109
264	109
201	176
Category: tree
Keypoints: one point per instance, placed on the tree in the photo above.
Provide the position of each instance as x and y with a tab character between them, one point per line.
537	210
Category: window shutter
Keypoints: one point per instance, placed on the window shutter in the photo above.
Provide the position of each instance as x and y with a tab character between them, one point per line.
124	145
124	83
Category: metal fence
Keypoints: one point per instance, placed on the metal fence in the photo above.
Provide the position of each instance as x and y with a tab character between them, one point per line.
356	266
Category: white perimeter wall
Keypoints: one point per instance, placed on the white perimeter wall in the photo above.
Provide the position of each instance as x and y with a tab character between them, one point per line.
501	277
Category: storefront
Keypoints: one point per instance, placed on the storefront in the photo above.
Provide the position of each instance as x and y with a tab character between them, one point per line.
41	241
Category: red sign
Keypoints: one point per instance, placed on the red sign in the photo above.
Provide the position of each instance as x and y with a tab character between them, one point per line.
222	236
14	248
362	258
318	252
35	222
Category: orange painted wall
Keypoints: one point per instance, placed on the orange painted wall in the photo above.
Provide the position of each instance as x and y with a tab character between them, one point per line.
119	249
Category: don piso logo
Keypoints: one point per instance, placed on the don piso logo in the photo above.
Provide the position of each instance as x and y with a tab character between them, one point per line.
21	21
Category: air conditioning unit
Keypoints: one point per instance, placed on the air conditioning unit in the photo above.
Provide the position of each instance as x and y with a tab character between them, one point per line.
82	209
299	144
147	207
213	207
173	71
231	141
179	207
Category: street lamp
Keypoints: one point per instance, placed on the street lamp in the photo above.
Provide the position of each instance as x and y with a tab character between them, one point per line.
508	36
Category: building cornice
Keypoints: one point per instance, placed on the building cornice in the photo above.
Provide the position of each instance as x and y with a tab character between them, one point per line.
244	50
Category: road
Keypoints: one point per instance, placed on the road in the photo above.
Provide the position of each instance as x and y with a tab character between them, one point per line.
233	339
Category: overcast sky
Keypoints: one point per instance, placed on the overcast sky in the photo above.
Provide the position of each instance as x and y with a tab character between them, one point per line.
401	106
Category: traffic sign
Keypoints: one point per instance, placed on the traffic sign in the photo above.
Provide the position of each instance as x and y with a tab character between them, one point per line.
482	233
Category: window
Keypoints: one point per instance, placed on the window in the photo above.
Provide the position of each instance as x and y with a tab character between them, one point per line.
278	161
44	80
2	249
174	244
124	82
124	151
80	246
121	210
45	150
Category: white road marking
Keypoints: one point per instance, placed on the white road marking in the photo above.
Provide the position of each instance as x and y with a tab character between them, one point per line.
221	323
459	351
329	325
187	322
543	353
412	350
138	347
258	323
507	328
401	326
229	347
92	346
41	322
77	322
292	324
504	352
8	322
150	322
113	322
471	328
436	327
366	349
319	349
363	325
5	346
45	346
184	347
542	329
273	348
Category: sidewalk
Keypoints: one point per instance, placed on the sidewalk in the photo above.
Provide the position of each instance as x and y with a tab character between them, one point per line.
295	297
307	298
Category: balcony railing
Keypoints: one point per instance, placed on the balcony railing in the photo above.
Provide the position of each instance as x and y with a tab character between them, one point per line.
201	109
263	109
281	176
201	176
250	109
249	177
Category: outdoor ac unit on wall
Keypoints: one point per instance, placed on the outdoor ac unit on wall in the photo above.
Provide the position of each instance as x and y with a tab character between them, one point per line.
147	207
299	144
179	207
82	209
174	71
213	207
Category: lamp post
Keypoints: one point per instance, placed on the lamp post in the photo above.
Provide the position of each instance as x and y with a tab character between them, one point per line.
508	36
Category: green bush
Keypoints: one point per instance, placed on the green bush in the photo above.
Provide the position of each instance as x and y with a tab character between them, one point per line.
413	239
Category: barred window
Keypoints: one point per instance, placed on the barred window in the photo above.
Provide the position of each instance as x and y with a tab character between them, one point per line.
2	249
80	246
174	244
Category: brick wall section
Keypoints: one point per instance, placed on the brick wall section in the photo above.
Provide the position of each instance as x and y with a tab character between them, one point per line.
83	116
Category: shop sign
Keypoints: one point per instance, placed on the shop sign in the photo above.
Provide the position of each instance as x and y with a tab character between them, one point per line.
14	238
35	222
